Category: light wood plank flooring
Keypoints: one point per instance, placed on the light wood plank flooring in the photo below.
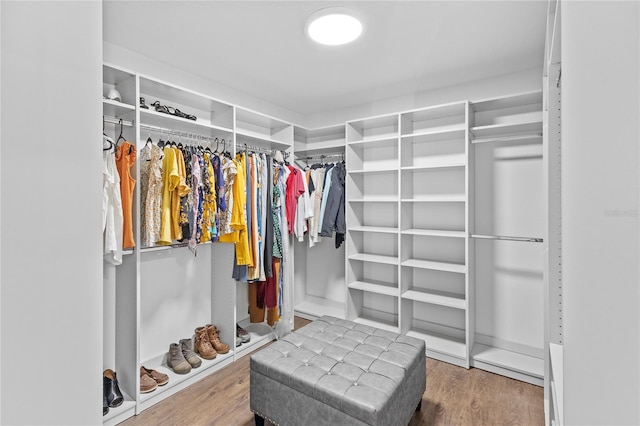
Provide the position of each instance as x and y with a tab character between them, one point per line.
454	396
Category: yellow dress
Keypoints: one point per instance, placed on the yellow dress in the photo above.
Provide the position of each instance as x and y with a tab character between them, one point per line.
170	180
179	191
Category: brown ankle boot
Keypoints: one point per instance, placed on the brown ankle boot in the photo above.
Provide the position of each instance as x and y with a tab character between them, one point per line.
214	338
203	345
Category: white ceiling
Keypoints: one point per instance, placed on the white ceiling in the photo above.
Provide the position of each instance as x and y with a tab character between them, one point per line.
259	47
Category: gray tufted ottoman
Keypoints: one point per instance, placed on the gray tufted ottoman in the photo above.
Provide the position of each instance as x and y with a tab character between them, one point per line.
337	372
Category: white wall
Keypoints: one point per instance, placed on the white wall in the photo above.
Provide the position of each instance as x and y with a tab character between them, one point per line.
51	263
171	73
600	200
507	84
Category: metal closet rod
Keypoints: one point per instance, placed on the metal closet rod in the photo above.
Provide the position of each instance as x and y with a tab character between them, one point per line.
507	238
258	148
113	120
323	156
180	133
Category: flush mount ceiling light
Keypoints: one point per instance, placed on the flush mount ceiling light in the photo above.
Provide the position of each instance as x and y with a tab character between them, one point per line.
333	26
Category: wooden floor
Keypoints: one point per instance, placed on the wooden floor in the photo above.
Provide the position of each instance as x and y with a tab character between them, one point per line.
454	396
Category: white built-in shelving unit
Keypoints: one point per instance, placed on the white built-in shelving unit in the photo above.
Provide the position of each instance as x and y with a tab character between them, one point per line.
509	223
319	270
160	294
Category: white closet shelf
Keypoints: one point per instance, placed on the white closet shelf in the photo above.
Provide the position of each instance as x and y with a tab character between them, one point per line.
434	297
435	233
115	108
378	229
509	101
443	164
373	171
261	334
374	288
374	258
377	323
158	119
375	142
440	343
436	134
255	138
557	375
317	307
510	360
513	139
436	266
152	90
177	382
505	129
376	199
319	149
437	198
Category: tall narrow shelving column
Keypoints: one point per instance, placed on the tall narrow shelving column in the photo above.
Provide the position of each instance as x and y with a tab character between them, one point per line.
434	270
319	270
509	225
372	215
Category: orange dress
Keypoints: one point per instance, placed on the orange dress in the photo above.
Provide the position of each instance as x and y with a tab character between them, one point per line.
125	158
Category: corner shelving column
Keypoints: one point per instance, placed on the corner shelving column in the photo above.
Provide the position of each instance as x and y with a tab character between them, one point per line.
262	133
509	220
372	214
179	291
120	291
434	269
319	270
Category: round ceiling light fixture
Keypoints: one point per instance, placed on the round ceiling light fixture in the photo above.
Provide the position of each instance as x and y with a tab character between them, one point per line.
334	26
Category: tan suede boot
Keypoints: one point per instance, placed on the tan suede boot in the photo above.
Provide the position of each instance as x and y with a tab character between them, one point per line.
202	344
214	338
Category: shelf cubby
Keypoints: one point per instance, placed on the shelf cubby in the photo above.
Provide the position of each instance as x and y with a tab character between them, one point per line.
373	129
508	117
258	129
432	184
319	141
212	115
444	218
373	309
433	286
372	185
434	120
428	152
373	277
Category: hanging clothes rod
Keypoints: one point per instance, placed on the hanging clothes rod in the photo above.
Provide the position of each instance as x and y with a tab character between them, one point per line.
180	133
508	138
507	238
114	120
256	148
323	156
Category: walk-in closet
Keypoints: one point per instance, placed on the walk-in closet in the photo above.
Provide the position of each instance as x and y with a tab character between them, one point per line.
462	173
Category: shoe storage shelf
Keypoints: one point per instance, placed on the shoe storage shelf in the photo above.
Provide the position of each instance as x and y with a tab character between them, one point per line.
319	270
506	134
160	294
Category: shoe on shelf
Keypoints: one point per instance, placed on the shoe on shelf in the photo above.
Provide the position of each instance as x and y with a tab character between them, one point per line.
238	341
177	361
214	338
111	388
147	384
202	344
160	378
186	345
243	334
105	404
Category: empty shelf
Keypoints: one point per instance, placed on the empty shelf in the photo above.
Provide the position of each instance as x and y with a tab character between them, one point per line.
373	171
437	266
319	307
379	229
390	260
441	198
440	343
435	297
373	199
377	324
507	129
439	133
374	288
435	233
503	358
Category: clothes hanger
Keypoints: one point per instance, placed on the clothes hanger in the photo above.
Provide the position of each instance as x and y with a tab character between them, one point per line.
121	129
106	138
